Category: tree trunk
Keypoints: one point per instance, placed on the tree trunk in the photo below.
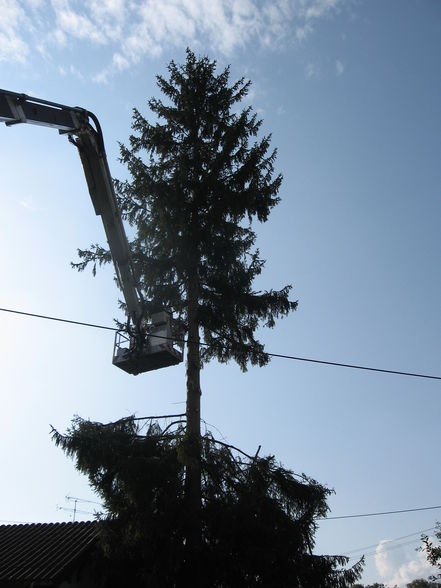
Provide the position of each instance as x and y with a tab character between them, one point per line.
193	439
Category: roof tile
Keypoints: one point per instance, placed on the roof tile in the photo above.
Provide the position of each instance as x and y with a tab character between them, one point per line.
41	552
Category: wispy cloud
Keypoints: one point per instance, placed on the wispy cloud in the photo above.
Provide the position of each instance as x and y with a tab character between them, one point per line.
76	24
319	8
28	205
134	30
12	23
312	71
225	25
339	68
76	73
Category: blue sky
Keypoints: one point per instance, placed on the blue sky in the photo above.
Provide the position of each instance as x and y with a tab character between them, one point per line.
350	91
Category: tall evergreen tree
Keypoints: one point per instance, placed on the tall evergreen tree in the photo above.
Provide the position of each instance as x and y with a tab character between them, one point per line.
199	176
258	519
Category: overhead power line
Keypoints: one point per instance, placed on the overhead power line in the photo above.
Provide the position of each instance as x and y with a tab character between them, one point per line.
279	355
377	514
355	367
386	547
375	545
60	320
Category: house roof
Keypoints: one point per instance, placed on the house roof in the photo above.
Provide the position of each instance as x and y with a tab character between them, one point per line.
42	552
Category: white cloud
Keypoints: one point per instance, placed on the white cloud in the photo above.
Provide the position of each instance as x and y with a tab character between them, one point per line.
312	71
399	566
134	29
339	68
58	37
34	3
27	204
111	14
102	77
302	32
319	8
12	46
76	24
75	72
225	24
120	62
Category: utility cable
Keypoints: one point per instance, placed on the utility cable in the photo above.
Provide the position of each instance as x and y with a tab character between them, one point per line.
61	320
279	355
352	551
355	367
377	514
386	548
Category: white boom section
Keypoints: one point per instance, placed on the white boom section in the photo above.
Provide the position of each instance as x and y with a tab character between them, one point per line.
75	122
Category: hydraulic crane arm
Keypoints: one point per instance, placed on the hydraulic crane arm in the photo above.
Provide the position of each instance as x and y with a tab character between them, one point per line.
146	347
76	123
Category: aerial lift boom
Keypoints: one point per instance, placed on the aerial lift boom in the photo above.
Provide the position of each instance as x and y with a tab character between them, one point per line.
144	347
